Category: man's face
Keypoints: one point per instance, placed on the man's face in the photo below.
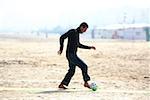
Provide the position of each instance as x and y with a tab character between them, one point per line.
83	29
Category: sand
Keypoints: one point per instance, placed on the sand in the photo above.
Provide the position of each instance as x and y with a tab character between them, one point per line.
30	69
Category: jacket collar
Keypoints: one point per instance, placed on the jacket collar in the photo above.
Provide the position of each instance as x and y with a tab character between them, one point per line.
78	30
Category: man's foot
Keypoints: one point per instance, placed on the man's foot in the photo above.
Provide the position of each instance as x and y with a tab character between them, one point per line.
86	85
61	86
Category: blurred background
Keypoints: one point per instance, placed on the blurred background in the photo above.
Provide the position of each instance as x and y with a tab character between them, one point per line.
107	19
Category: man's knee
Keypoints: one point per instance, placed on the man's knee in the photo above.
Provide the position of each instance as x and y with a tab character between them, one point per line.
71	72
84	67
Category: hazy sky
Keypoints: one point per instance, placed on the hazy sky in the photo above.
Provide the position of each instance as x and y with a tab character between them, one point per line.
32	14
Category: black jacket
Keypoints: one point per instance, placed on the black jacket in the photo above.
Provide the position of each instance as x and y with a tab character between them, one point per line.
73	41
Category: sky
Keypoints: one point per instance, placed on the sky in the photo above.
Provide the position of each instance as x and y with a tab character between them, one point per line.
34	14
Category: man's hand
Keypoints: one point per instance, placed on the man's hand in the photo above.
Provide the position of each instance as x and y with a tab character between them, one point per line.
92	47
59	52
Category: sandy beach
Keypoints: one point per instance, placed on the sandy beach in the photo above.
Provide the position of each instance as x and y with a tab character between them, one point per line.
30	69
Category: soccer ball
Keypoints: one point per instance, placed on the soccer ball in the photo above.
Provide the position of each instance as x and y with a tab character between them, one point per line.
93	86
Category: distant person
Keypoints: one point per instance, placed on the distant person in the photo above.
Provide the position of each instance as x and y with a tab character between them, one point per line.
71	54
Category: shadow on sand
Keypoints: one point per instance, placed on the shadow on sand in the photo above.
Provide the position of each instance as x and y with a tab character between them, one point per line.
60	91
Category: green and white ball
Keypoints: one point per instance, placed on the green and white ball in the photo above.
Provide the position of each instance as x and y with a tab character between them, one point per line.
93	86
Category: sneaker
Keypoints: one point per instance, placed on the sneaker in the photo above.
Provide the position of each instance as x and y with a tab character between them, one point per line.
61	86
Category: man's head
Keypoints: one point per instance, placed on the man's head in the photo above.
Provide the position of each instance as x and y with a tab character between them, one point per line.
83	27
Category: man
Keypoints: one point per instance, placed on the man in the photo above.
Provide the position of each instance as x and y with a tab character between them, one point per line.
71	54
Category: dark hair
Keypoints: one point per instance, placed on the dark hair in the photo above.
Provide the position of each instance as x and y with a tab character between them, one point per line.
84	24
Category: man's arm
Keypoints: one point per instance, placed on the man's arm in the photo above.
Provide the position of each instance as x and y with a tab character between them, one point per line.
61	41
85	47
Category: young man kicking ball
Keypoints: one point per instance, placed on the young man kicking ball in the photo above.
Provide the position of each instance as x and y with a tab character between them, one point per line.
71	54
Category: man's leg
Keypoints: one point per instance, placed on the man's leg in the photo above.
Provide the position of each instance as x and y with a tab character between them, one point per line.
85	75
68	76
78	62
73	62
84	69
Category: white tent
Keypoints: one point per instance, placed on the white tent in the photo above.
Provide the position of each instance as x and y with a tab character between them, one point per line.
123	31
